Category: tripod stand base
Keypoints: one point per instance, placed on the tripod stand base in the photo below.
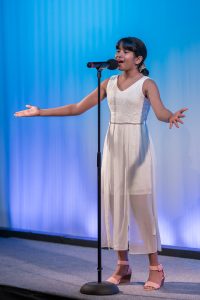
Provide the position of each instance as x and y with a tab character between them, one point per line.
99	288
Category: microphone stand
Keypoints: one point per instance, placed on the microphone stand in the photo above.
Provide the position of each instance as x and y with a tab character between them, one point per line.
99	287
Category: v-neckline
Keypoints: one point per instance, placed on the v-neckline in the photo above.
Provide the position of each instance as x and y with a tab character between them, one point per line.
128	86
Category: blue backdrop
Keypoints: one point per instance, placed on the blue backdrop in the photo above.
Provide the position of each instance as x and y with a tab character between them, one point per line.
48	165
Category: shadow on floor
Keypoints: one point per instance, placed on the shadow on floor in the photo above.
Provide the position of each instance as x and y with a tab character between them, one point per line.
13	293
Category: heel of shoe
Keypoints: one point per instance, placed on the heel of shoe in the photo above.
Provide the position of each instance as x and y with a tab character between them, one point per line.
121	279
149	285
126	278
162	282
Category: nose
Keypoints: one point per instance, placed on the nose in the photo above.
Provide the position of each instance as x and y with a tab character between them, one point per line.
119	54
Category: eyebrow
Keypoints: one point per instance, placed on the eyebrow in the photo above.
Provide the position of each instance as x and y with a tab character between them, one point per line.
118	48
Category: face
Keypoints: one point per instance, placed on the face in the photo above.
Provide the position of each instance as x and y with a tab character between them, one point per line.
127	59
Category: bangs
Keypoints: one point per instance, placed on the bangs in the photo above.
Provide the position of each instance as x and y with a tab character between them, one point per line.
126	44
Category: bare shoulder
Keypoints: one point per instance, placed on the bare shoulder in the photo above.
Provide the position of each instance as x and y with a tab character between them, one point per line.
149	83
149	87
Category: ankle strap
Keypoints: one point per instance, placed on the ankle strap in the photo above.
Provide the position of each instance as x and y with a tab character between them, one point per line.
123	262
158	268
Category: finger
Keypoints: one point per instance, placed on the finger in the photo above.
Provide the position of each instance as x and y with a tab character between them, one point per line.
19	113
28	105
181	116
180	121
176	124
22	113
16	114
183	109
170	125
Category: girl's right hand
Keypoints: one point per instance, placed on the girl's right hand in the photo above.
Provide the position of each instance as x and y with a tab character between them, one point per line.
32	111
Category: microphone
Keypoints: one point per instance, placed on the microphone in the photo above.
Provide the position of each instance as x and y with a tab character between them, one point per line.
110	64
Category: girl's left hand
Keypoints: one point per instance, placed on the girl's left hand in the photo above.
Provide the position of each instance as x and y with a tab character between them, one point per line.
175	118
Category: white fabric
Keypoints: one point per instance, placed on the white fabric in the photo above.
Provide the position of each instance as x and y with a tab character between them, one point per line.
129	218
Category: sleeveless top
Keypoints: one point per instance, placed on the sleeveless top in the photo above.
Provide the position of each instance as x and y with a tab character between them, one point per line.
129	105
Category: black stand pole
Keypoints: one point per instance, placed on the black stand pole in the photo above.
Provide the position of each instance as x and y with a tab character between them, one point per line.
105	287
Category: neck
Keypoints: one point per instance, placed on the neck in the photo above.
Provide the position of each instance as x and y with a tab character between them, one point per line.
131	73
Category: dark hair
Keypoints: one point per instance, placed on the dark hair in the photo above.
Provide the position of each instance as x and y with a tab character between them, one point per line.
138	47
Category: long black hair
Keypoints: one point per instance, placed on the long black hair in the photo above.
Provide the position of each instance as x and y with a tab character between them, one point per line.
138	47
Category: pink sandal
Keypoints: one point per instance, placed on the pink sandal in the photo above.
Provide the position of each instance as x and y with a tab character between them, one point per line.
118	279
154	285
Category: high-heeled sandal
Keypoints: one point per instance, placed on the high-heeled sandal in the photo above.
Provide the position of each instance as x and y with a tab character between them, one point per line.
118	279
150	285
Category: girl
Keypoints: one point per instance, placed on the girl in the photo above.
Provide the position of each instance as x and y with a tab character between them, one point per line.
129	221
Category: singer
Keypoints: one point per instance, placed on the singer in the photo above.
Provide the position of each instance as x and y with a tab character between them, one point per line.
129	218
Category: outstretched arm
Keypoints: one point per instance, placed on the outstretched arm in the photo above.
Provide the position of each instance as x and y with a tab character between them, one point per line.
151	91
67	110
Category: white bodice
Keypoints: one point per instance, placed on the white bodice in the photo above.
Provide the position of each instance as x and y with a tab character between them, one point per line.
130	105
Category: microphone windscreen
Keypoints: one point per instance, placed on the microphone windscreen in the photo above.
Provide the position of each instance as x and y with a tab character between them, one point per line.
113	64
89	65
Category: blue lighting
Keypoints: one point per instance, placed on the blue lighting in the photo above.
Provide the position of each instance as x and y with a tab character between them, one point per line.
48	176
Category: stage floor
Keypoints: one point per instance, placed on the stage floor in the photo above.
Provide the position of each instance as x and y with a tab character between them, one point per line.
61	269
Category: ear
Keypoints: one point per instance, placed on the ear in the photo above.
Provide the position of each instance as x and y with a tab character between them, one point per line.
138	59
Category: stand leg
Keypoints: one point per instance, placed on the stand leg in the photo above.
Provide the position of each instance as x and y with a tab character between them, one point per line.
99	288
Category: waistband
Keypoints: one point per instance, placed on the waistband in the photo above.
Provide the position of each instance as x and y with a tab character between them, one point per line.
133	123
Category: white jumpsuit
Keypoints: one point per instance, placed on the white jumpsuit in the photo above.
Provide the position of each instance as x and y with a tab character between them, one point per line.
129	220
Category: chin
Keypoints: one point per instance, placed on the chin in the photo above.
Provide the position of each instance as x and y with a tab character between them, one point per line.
120	68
